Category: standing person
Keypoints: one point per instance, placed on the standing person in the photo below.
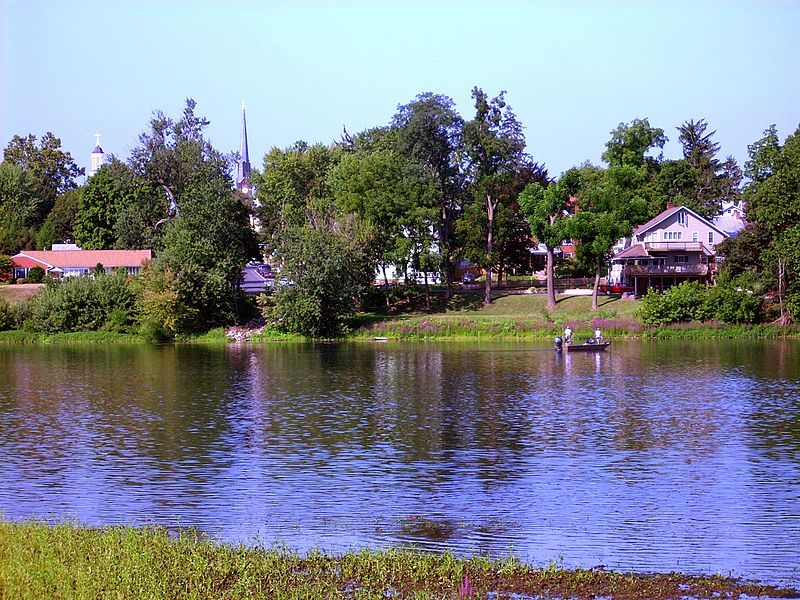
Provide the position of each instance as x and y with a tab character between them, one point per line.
568	334
598	335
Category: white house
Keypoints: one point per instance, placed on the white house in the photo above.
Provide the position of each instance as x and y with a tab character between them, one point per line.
677	245
70	262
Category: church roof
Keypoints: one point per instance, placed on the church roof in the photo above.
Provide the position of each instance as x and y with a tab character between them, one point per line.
97	150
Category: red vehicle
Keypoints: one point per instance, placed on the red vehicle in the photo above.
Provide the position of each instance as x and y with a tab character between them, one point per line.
614	288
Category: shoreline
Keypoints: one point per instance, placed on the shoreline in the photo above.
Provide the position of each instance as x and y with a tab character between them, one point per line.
419	329
40	559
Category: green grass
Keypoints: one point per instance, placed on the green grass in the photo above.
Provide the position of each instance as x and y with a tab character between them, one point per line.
511	316
38	560
80	337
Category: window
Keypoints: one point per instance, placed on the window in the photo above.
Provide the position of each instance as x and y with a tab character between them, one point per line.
673	235
710	237
680	259
694	236
683	218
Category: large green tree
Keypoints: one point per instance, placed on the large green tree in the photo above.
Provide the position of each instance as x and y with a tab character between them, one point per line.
52	171
430	132
207	238
494	148
547	211
59	225
394	197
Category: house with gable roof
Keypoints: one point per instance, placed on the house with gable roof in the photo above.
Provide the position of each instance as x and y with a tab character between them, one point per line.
67	260
677	245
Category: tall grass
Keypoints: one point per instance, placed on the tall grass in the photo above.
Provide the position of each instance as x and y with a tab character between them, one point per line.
38	560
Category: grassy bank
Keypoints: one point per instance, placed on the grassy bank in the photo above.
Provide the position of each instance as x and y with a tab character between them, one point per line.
64	561
79	337
525	316
14	294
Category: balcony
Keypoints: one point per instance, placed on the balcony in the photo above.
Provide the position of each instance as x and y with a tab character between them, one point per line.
676	246
649	270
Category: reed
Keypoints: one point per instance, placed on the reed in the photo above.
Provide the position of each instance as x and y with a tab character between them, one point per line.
41	560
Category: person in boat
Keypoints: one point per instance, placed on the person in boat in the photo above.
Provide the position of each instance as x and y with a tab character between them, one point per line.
568	334
598	335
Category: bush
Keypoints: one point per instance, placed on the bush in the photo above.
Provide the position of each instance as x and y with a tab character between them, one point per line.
694	302
8	318
36	275
159	302
6	268
81	304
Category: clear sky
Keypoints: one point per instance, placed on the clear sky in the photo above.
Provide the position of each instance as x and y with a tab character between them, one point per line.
572	70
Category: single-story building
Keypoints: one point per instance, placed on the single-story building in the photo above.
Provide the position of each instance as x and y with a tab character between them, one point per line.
72	262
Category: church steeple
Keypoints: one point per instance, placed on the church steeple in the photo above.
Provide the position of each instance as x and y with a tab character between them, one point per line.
243	167
98	156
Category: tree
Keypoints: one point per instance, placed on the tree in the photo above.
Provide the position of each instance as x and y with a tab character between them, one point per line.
494	146
207	238
547	211
60	223
709	181
329	268
17	208
104	196
766	254
175	156
293	189
630	143
430	133
609	203
393	197
52	171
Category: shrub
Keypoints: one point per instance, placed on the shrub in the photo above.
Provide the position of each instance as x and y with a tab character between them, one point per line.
694	302
8	318
6	268
36	275
159	302
81	304
731	305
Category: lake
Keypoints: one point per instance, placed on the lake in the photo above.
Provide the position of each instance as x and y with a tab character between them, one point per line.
653	456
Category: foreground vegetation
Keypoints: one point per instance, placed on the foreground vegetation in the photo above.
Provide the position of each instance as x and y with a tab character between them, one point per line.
38	560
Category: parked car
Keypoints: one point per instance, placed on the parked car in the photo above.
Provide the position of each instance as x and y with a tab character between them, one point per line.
614	288
468	278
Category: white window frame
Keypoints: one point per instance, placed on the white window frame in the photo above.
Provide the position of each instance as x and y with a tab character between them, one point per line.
683	218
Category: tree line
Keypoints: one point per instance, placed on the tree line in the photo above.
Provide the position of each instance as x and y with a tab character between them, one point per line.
418	194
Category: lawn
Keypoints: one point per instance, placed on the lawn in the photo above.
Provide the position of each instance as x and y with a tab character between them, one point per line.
17	293
508	316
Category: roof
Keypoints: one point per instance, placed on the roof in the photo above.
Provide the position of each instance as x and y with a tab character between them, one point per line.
667	214
635	251
656	220
86	259
97	150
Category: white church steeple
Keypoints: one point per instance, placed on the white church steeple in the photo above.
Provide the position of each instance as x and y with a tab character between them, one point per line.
98	156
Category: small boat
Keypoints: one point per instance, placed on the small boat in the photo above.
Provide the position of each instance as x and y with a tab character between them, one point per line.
590	345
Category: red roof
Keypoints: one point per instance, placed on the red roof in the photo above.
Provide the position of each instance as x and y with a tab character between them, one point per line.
85	259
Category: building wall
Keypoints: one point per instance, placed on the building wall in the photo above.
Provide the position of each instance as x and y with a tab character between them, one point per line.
666	231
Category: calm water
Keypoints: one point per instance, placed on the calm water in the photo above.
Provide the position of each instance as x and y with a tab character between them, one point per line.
654	456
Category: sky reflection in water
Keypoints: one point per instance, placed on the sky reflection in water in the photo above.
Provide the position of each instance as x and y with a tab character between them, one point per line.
654	456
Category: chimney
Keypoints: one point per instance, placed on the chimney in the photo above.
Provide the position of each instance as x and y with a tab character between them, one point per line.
670	204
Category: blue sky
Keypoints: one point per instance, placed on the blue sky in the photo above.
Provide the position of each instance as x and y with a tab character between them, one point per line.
572	70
